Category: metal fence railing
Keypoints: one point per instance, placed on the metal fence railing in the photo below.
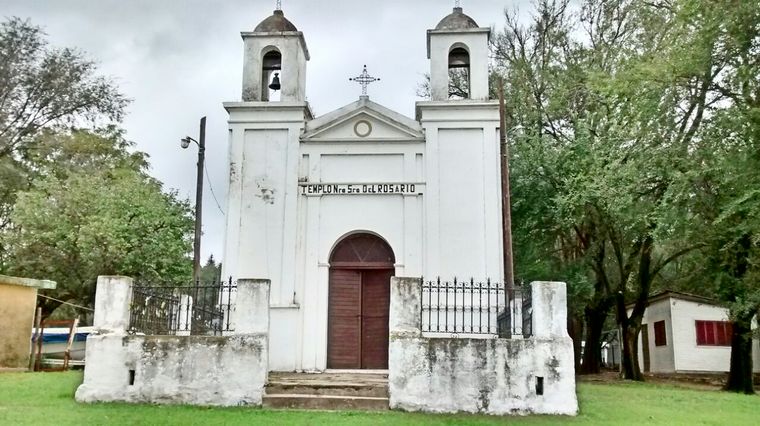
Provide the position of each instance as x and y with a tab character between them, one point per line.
517	318
469	307
199	309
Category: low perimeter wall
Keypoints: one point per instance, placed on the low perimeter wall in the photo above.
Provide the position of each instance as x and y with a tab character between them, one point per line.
491	376
201	370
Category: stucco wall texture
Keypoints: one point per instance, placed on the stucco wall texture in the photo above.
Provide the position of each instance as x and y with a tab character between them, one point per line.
18	298
199	370
490	376
16	322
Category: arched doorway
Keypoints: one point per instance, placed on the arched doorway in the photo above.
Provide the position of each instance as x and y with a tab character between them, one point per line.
361	266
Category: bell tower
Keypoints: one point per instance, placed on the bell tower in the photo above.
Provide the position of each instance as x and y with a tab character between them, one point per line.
275	55
458	53
462	175
264	131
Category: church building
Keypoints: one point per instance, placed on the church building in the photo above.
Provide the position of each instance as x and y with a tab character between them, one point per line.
347	237
329	208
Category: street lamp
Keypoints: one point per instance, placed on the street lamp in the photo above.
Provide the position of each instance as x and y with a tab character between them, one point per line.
201	142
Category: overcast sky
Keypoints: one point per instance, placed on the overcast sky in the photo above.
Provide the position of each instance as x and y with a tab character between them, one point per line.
180	59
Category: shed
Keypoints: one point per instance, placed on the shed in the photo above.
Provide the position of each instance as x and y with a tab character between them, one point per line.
686	333
18	299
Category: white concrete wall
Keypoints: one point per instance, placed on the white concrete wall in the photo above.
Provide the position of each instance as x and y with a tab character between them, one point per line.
661	358
203	370
275	232
493	376
199	370
462	203
689	356
262	211
333	155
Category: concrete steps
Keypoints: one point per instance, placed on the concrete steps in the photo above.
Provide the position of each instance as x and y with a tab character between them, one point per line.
327	391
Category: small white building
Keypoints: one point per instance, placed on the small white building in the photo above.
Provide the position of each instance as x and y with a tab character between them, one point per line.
684	333
330	208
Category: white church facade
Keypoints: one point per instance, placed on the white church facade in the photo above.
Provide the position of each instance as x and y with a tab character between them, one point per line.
330	208
332	223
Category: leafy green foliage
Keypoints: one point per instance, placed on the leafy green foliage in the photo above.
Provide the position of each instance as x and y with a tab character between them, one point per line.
76	204
634	128
211	272
92	210
42	87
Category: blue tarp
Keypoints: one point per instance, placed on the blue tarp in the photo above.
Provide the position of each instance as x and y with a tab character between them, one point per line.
63	337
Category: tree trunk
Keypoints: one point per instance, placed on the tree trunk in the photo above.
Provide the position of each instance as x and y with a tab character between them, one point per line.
575	330
630	354
592	353
630	326
740	374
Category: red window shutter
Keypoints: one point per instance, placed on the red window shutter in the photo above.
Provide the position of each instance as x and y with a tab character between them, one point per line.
710	332
659	334
729	333
725	335
720	333
713	333
701	333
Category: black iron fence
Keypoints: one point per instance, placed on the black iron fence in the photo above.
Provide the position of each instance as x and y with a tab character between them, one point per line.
198	309
517	318
469	307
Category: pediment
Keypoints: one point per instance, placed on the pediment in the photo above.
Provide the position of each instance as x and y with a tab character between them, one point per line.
363	120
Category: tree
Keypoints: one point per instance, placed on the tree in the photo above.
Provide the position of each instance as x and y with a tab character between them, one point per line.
547	75
608	121
211	272
92	210
723	195
42	87
459	85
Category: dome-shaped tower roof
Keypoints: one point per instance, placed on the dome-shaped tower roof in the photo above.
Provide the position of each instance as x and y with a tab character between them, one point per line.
275	23
457	20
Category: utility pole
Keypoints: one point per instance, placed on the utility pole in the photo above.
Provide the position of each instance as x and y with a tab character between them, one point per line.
199	202
506	203
201	142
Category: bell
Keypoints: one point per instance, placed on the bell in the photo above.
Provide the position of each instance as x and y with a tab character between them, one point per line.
275	82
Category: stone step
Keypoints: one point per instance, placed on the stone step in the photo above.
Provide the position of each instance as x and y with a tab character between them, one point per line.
325	402
336	389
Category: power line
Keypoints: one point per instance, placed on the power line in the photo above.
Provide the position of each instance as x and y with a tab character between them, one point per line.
67	303
211	188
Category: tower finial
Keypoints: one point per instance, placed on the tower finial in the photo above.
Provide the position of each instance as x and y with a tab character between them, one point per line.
279	5
457	3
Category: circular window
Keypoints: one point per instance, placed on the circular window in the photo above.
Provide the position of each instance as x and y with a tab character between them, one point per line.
362	128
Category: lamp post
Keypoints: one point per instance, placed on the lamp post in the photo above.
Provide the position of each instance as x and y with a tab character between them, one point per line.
201	142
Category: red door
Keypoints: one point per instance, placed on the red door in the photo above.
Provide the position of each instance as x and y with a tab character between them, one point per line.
359	301
376	300
344	319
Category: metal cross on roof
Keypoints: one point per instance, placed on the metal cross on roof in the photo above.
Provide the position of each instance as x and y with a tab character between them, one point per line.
457	3
279	5
364	79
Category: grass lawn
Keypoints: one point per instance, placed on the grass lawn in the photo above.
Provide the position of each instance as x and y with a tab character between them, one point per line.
47	399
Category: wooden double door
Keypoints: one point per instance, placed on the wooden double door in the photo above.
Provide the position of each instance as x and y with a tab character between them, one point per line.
359	303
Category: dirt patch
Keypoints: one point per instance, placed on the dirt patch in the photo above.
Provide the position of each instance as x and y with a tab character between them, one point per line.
686	380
